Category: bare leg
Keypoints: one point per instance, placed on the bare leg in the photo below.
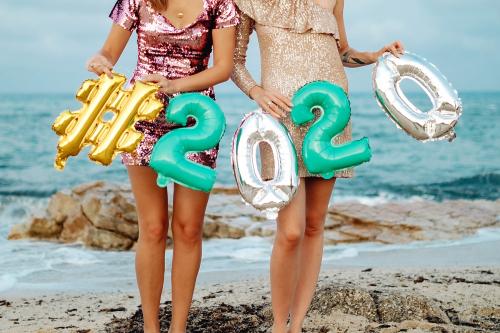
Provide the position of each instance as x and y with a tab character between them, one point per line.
318	192
152	210
187	228
285	258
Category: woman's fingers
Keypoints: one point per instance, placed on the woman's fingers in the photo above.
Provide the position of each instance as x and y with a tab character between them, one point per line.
393	50
396	48
108	72
99	64
273	103
268	109
92	67
102	69
284	102
270	106
282	107
401	47
276	109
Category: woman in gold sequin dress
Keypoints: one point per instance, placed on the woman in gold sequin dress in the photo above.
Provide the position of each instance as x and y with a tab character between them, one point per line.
300	41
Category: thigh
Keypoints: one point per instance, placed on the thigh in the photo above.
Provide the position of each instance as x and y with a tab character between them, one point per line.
318	193
151	200
291	218
189	205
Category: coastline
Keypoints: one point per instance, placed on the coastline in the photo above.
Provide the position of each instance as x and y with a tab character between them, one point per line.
435	260
347	300
445	280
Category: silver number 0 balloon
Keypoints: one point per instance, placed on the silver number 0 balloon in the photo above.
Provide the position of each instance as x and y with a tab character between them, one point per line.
436	124
266	195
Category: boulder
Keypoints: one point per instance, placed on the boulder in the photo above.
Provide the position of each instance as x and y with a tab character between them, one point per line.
80	215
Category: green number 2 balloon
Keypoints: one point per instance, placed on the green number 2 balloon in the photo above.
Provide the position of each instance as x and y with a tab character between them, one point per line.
168	158
320	155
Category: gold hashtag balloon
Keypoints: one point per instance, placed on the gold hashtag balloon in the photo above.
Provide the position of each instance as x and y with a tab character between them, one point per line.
88	125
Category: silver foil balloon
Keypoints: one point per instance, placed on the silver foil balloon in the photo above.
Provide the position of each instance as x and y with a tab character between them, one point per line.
267	195
435	124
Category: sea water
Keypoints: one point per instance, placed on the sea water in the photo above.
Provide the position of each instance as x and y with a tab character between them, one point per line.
401	169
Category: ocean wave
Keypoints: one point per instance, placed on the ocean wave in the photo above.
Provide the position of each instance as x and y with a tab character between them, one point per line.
28	193
7	282
482	186
77	256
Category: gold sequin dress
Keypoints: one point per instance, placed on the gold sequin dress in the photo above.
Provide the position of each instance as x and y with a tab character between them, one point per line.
298	44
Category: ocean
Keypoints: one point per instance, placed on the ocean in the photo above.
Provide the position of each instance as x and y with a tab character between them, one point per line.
401	169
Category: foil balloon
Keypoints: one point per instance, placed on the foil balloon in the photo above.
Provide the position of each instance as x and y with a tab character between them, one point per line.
319	154
435	124
88	126
267	195
168	158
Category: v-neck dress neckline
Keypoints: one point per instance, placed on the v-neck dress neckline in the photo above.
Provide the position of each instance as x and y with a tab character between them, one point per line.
171	24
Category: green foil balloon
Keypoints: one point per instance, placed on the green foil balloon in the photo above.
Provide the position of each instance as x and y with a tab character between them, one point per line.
168	158
319	153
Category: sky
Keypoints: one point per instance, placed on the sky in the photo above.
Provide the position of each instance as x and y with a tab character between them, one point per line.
44	44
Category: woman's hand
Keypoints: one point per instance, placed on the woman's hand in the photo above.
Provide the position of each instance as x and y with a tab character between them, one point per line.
271	102
396	48
167	86
99	64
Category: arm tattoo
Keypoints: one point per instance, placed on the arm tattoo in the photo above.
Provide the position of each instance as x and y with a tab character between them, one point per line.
347	58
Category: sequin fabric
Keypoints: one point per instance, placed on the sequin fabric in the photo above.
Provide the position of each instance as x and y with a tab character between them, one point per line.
298	44
174	53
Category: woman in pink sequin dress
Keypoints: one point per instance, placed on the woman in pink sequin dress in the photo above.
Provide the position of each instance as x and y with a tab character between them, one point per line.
175	40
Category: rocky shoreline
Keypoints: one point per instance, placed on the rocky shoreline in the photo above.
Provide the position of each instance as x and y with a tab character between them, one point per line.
346	307
102	215
369	300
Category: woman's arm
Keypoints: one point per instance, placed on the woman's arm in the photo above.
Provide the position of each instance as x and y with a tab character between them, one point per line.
107	57
241	76
269	101
353	58
224	42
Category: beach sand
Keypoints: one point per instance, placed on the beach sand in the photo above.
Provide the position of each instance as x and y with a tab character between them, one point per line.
447	289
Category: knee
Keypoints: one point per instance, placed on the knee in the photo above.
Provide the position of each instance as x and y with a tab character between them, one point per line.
290	237
187	230
154	228
315	224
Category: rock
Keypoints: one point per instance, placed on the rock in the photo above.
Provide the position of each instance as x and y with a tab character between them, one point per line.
18	231
61	206
485	317
262	229
333	237
399	307
346	300
107	240
110	208
99	215
75	229
41	227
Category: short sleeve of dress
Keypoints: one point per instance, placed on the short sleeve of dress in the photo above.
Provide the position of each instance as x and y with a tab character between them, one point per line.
225	14
125	14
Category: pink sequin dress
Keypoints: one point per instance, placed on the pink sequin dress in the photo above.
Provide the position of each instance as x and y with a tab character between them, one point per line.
174	53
